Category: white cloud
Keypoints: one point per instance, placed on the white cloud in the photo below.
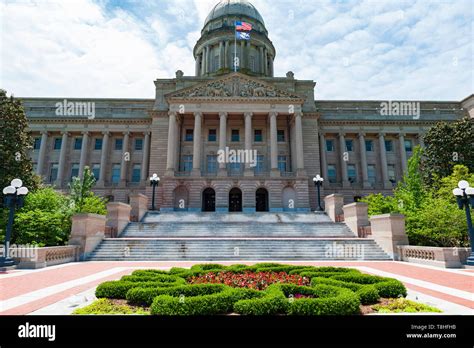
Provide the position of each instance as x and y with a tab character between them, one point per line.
352	49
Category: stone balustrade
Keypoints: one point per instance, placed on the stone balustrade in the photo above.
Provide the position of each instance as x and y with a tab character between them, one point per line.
435	256
40	257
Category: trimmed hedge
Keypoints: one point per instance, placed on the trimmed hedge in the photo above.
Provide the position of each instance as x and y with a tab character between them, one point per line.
154	278
270	302
368	294
118	289
391	288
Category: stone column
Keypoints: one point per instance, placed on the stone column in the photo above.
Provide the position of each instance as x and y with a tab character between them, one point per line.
403	154
333	205
87	231
62	160
226	54
248	141
383	162
271	67
242	54
139	205
146	158
222	141
265	59
118	217
203	61
103	158
274	145
262	66
342	148
420	139
299	144
170	160
221	54
198	58
208	59
324	163
363	161
42	153
388	231
82	161
356	216
125	159
197	144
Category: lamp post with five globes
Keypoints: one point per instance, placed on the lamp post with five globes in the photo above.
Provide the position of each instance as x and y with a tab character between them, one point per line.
14	198
318	182
154	182
465	199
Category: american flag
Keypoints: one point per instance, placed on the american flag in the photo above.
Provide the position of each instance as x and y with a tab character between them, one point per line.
243	26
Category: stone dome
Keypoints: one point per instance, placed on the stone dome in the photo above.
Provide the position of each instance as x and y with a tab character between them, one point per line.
234	7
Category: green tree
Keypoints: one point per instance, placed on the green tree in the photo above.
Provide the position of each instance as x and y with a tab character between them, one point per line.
15	142
447	144
85	201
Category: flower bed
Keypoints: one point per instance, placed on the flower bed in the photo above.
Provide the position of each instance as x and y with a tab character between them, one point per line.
261	289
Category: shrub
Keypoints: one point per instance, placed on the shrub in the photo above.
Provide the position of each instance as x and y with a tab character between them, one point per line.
148	272
218	303
368	294
270	302
391	288
359	278
207	267
145	296
117	289
164	278
105	306
329	281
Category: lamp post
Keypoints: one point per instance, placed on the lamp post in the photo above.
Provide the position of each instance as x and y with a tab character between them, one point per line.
318	182
154	182
14	198
465	198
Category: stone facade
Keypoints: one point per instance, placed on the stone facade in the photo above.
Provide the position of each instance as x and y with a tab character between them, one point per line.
178	135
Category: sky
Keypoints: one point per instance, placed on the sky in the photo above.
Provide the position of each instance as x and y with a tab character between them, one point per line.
353	50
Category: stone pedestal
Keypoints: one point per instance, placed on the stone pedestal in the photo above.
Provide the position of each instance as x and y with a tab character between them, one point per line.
118	217
87	232
139	205
356	215
333	205
388	231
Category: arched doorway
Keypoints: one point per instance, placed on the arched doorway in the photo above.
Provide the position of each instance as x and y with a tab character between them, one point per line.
181	197
289	199
261	203
209	200
235	200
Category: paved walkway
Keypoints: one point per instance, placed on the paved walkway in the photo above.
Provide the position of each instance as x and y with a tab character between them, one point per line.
33	291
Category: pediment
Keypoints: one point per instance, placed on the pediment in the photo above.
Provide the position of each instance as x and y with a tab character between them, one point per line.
234	86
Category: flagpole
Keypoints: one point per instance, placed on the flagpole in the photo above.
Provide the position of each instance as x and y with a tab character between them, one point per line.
235	47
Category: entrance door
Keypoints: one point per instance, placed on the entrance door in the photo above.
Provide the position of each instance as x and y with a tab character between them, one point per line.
262	200
209	200
235	200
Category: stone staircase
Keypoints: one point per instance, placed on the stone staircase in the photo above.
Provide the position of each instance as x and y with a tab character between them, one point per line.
236	236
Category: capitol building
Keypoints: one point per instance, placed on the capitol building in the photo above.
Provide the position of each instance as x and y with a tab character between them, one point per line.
234	102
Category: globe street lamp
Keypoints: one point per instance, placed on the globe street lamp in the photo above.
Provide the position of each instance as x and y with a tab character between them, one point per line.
318	182
154	182
14	198
465	198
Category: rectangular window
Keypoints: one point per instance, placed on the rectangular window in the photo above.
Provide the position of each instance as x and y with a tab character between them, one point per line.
37	144
408	146
235	168
235	135
332	176
116	173
369	145
96	171
212	135
349	145
77	143
189	135
138	144
330	145
282	164
215	63
252	63
280	135
74	170
388	145
57	143
98	144
391	173
136	173
257	136
187	164
212	164
118	144
371	173
53	175
260	167
351	173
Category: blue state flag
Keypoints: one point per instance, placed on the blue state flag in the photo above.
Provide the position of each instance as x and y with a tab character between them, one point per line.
241	35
